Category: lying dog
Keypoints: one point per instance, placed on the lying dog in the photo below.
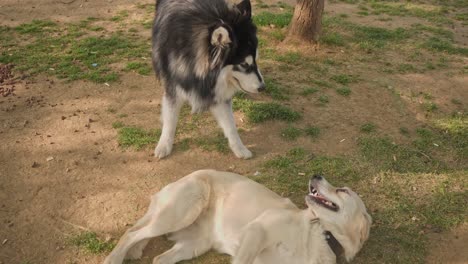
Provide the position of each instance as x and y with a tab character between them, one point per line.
204	51
237	216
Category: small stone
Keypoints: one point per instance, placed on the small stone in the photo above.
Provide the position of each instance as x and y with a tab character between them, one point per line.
4	241
50	158
64	117
257	173
35	165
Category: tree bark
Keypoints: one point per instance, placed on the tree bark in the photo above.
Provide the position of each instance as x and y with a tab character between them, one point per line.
306	24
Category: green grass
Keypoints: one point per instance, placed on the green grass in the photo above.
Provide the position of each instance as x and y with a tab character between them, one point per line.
291	133
136	137
333	39
66	51
344	91
276	90
309	90
261	112
36	26
430	107
344	79
217	143
323	99
436	14
368	128
387	155
267	18
139	67
90	242
289	58
117	125
441	45
312	131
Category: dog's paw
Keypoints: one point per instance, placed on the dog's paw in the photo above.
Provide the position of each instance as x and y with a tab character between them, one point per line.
241	152
162	150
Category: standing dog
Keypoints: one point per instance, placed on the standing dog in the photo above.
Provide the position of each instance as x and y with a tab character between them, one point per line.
204	51
237	216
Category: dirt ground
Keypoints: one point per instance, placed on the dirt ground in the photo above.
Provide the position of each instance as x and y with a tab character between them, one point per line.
62	171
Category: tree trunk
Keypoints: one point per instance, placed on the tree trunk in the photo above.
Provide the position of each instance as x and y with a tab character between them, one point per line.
306	24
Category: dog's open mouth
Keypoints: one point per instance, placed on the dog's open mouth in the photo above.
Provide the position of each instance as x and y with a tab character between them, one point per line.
318	198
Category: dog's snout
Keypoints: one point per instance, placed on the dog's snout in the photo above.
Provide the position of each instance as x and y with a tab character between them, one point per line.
317	177
262	87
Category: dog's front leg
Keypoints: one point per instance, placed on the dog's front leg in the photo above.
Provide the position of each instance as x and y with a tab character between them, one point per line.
169	116
252	243
223	114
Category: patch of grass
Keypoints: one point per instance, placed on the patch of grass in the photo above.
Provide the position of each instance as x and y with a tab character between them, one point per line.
323	99
438	44
137	137
267	18
344	91
344	79
289	57
36	26
120	16
333	39
90	242
139	67
309	91
261	112
454	132
117	125
432	13
218	143
368	128
406	68
276	90
291	133
69	54
371	38
439	32
322	84
387	155
312	131
430	107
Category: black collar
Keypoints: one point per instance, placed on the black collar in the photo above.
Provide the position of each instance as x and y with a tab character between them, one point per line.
334	244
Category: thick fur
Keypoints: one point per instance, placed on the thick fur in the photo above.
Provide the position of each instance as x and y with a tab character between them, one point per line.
204	51
229	213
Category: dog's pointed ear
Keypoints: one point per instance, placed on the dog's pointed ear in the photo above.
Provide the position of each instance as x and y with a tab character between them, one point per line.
220	37
220	43
245	8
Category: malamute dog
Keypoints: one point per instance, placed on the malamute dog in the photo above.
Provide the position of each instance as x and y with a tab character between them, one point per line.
204	51
237	216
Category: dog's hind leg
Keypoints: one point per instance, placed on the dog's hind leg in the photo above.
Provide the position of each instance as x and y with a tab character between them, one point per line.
169	116
183	251
223	114
174	208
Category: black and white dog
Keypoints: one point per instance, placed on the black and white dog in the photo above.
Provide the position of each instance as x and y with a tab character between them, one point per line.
203	52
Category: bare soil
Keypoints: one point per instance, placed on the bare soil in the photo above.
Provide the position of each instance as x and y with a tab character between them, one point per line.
62	171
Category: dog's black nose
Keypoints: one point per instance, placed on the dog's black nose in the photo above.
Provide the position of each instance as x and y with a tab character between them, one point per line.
317	177
262	87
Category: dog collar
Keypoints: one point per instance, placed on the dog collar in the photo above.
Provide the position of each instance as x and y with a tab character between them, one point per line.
334	244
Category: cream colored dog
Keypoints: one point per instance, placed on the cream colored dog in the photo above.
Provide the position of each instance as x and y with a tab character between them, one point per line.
234	215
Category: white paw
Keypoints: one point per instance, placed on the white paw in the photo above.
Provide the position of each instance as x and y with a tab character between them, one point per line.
241	152
162	150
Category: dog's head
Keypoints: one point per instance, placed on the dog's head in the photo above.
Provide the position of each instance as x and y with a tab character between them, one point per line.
233	46
342	212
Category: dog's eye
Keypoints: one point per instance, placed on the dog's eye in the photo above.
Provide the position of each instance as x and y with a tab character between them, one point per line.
342	190
244	65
